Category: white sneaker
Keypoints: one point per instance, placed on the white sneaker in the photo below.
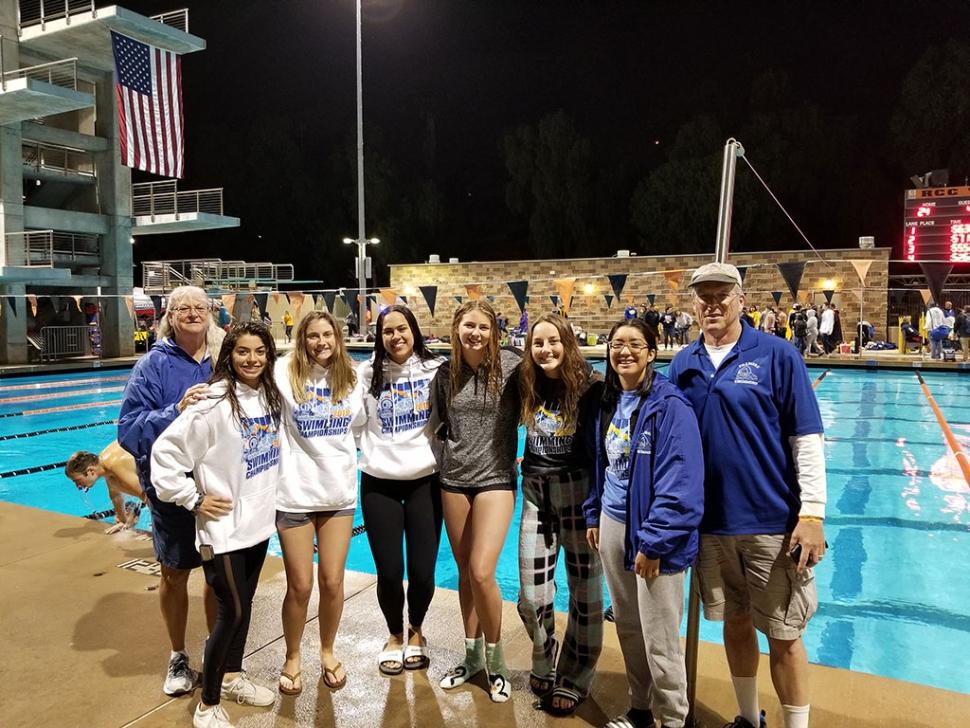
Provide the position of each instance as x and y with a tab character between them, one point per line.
214	717
245	691
181	678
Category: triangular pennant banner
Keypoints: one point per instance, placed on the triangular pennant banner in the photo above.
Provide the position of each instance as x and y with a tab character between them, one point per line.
405	299
803	297
329	298
389	295
857	292
617	281
672	299
565	288
430	294
927	296
474	291
792	273
56	303
589	301
777	296
673	277
861	268
491	299
629	300
12	302
519	289
742	270
261	300
229	300
898	295
609	301
651	297
936	274
828	295
157	304
33	303
77	301
555	300
296	301
276	298
458	298
130	303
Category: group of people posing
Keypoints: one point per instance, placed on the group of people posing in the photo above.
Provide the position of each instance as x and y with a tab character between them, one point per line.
633	476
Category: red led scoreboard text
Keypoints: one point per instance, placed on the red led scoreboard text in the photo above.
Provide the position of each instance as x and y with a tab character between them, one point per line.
937	224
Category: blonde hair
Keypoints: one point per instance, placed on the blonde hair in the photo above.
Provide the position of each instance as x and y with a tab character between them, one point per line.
491	366
342	375
180	296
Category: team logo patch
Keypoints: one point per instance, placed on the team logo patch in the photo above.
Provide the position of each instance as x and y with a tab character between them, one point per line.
261	444
404	406
747	373
321	416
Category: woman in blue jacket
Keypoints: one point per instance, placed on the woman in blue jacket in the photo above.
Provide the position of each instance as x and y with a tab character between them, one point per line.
642	514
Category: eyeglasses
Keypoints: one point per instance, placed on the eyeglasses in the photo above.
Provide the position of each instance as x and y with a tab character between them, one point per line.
201	310
634	346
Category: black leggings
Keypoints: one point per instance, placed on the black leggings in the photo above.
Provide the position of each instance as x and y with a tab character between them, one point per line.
233	577
392	510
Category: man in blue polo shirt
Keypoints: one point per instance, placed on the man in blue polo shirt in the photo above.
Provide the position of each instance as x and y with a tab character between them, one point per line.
764	492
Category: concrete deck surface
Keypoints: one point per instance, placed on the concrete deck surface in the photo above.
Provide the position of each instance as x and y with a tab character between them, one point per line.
82	645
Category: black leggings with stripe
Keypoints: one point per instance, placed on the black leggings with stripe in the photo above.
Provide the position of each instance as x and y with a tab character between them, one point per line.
233	577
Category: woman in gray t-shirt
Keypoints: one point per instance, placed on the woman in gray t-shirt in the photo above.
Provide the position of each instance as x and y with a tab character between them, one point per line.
478	400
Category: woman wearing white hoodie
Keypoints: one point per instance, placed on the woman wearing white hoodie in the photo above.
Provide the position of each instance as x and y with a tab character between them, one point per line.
220	460
317	493
400	493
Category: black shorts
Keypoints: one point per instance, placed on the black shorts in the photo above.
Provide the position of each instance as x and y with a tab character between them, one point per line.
173	534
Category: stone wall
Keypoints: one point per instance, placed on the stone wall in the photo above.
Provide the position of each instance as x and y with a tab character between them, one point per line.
647	275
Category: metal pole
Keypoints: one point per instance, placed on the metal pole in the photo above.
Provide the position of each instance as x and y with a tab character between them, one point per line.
732	150
361	238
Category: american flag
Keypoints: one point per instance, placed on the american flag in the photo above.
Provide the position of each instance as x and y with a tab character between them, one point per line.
148	82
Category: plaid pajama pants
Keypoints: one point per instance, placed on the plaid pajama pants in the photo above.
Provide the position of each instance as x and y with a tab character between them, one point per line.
552	517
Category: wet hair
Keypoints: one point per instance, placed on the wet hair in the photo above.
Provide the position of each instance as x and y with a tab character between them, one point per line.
611	392
79	463
223	371
491	366
182	296
342	375
380	352
574	372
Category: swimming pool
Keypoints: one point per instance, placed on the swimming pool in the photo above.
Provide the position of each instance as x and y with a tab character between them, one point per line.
891	591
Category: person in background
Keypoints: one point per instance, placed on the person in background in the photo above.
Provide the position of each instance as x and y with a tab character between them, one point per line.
668	321
219	462
317	493
747	318
288	326
225	318
524	322
961	330
768	321
642	515
826	327
117	467
652	319
764	493
556	386
948	310
684	322
630	312
811	333
479	401
400	491
170	377
934	320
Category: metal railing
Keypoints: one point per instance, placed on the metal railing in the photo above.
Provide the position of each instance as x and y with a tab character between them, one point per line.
161	276
178	19
41	248
164	198
60	159
65	341
39	12
56	73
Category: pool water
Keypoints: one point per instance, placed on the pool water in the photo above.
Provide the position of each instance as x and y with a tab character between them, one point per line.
892	589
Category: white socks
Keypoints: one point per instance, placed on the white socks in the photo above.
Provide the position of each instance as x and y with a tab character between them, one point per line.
473	664
746	691
796	716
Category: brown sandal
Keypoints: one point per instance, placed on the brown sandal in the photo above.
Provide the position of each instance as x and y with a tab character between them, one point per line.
330	677
295	689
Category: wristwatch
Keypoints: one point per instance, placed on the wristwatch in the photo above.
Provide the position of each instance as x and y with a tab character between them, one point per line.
198	504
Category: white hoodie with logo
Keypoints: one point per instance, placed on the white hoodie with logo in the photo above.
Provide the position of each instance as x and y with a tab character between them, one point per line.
206	450
319	461
397	440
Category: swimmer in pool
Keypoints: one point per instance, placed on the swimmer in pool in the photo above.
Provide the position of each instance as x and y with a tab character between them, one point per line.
117	467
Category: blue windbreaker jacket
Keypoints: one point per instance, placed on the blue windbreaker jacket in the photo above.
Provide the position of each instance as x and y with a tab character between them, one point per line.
666	498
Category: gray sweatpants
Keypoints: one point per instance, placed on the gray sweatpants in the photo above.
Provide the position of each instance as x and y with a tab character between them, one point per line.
648	613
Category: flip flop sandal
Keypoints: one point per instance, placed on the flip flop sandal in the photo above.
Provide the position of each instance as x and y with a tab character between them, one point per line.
540	686
330	677
563	694
294	690
386	659
416	656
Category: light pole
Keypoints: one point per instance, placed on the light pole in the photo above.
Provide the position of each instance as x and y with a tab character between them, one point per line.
363	270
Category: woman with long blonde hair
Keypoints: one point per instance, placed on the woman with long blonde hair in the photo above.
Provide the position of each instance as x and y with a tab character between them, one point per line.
557	387
317	493
480	406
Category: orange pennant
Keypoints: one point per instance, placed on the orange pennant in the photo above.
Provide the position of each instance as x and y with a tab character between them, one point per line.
861	268
389	295
589	301
129	302
77	301
927	295
474	290
803	297
672	299
276	298
564	287
296	301
673	277
33	303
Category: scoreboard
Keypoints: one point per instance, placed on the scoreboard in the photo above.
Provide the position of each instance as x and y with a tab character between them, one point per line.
937	224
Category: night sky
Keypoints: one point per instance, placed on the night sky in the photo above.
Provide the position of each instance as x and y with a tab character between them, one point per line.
629	72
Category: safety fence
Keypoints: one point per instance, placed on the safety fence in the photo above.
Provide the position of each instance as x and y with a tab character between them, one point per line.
62	342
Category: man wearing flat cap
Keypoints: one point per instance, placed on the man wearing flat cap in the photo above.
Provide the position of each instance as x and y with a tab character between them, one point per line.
764	492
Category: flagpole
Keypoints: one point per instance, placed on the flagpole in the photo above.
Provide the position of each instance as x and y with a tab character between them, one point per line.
361	261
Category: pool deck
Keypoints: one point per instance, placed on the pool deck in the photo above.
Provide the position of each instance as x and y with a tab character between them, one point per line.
83	645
